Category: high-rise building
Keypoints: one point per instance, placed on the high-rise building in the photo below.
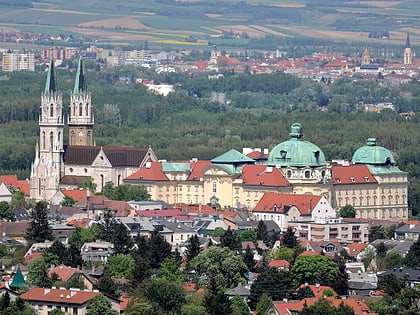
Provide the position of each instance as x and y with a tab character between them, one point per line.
18	62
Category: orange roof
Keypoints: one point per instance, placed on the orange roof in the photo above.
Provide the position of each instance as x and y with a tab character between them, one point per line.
358	306
31	257
278	263
412	222
355	248
124	301
229	61
76	194
257	155
82	223
261	175
64	273
304	203
196	169
11	180
352	174
150	172
59	296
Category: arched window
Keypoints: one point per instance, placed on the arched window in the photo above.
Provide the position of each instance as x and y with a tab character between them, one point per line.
51	110
214	188
80	109
51	139
72	137
87	110
307	174
43	140
102	181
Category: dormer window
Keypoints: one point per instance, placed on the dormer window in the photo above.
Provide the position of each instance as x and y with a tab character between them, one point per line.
366	178
351	179
283	154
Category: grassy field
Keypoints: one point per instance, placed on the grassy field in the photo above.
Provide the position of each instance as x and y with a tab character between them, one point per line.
132	21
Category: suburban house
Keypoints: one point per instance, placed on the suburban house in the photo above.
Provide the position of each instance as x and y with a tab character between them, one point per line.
72	301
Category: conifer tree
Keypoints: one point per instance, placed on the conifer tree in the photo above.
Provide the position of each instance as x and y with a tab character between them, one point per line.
193	248
39	230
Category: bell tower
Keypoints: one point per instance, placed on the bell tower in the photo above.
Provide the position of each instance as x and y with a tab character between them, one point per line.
80	119
46	169
408	54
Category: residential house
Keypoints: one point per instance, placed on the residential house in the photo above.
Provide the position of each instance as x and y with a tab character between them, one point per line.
5	194
410	276
73	301
96	251
410	231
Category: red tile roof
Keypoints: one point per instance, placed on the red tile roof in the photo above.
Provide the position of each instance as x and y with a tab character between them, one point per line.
278	263
196	168
309	253
354	249
358	306
14	229
352	174
261	175
81	223
64	273
28	258
304	203
150	172
318	290
257	155
76	194
166	213
59	296
11	180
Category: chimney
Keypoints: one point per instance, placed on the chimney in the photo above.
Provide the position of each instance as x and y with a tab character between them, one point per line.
46	291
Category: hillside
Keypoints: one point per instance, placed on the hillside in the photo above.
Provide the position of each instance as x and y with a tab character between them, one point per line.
227	23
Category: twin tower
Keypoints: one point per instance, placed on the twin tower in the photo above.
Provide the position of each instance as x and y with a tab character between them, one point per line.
48	167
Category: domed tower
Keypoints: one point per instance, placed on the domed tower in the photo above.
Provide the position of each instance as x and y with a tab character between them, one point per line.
300	161
80	119
407	54
388	198
46	169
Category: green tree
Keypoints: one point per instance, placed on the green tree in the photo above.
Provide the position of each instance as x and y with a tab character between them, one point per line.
214	300
121	239
120	265
263	305
227	268
169	296
58	250
276	284
229	240
38	273
377	232
107	227
171	272
99	305
6	211
393	260
159	249
323	306
261	231
67	201
391	284
314	269
56	311
283	253
347	211
142	308
248	236
193	248
304	292
88	184
248	257
193	309
39	229
238	305
289	239
106	284
412	259
18	200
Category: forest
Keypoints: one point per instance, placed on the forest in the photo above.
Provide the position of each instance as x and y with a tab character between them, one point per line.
185	124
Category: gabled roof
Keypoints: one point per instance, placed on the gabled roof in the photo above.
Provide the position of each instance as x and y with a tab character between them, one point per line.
150	172
60	296
13	229
232	156
271	202
117	156
196	168
76	194
261	175
64	273
352	174
278	263
11	180
354	249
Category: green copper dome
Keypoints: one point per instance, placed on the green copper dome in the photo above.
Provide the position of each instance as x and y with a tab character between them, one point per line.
373	154
296	152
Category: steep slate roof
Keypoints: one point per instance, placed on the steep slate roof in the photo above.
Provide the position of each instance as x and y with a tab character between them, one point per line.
117	156
146	173
261	175
73	179
352	174
304	203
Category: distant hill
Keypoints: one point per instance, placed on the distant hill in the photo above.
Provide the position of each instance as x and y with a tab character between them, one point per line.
176	22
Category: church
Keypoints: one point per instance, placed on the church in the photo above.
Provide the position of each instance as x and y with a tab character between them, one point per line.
60	166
